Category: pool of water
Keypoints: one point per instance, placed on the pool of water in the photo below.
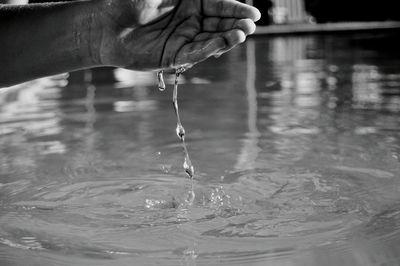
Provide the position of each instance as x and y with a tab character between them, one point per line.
295	143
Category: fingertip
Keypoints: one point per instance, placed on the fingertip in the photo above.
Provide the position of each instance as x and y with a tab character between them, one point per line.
252	13
232	39
252	28
257	15
241	36
247	26
235	37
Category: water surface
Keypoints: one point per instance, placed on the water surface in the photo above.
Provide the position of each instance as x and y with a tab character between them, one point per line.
295	142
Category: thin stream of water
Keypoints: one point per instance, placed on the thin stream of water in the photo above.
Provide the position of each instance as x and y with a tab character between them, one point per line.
180	130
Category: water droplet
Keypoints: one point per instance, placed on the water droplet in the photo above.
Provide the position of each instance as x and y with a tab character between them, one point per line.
180	132
180	70
189	169
160	78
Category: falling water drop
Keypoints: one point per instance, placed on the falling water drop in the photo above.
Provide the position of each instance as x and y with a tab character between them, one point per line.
188	166
160	78
180	132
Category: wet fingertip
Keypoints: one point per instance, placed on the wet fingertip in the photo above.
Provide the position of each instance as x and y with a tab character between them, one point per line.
256	15
241	36
233	38
247	26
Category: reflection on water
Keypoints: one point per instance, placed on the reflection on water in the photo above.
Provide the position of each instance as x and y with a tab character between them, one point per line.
295	140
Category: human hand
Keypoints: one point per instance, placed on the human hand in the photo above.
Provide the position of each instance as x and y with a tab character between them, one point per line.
167	34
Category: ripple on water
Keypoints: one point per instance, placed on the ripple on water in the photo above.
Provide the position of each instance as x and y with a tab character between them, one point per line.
273	212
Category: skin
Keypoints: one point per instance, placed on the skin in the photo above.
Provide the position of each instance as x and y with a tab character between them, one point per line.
44	39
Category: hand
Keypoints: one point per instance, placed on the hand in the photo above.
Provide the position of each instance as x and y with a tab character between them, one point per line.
167	34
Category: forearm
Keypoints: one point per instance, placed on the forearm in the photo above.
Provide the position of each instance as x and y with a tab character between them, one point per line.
46	39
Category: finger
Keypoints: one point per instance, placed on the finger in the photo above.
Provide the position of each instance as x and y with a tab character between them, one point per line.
206	36
214	24
230	9
231	38
196	52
